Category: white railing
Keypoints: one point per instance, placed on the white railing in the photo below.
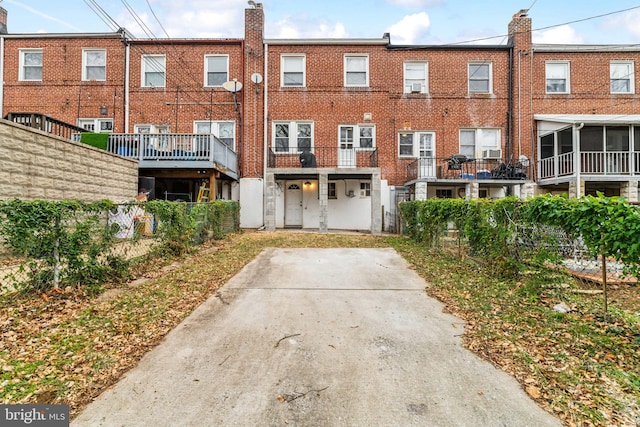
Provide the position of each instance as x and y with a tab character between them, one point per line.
591	163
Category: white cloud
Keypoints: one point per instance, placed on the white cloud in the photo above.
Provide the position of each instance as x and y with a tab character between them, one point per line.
301	27
416	3
563	34
411	29
627	22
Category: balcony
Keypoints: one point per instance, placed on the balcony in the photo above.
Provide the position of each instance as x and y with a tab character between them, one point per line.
323	157
175	151
459	167
611	165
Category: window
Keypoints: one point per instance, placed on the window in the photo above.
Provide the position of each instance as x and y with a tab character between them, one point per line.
365	189
293	137
416	77
622	77
153	70
557	77
96	125
216	70
293	70
417	144
357	136
94	64
480	143
331	190
444	193
356	70
480	77
223	130
31	64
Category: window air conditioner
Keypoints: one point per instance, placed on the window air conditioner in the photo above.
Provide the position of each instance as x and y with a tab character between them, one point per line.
416	87
492	154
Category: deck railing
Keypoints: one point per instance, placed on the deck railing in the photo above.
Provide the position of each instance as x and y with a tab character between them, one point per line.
617	163
459	167
44	123
323	157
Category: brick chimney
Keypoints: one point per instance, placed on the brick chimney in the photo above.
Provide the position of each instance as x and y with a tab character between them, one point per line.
3	20
520	31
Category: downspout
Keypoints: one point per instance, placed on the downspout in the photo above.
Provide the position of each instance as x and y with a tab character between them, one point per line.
578	159
1	76
127	64
510	103
265	133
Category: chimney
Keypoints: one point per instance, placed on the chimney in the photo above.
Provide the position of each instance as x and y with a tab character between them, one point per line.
3	20
520	30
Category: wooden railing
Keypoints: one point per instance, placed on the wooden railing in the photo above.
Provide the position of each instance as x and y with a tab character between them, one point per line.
45	123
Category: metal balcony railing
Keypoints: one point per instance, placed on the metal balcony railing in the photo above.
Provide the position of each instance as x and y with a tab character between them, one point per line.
323	157
458	167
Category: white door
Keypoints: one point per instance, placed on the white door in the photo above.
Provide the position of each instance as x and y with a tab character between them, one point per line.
427	155
346	148
293	204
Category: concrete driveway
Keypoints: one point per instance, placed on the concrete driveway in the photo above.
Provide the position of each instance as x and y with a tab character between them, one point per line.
317	337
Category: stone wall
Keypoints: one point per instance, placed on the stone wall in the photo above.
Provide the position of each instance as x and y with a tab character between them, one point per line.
37	165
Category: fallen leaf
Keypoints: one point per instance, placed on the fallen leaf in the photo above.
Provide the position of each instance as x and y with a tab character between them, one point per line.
533	391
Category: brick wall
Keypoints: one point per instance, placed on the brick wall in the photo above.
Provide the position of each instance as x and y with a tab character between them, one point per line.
36	165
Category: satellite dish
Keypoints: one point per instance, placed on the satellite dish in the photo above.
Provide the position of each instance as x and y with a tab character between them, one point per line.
232	86
256	78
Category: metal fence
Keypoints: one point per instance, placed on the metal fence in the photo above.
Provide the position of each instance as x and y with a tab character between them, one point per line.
138	233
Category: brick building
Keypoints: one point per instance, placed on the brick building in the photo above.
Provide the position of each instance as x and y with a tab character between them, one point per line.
331	133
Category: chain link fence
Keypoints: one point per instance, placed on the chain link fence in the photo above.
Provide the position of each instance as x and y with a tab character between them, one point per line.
133	232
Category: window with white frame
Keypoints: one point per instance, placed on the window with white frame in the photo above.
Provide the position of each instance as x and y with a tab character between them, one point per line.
357	136
223	130
557	77
416	77
94	64
417	144
96	125
292	137
356	70
153	71
480	79
480	143
216	69
622	77
31	64
365	189
292	68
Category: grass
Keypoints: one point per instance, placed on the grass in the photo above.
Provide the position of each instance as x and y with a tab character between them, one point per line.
580	366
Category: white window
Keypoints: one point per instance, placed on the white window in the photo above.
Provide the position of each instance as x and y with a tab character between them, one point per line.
96	125
357	136
557	77
292	137
216	70
150	128
293	70
480	78
416	77
622	77
480	143
153	71
417	144
356	70
223	130
94	64
31	64
365	189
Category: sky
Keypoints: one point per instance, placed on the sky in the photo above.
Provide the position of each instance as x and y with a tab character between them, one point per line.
408	21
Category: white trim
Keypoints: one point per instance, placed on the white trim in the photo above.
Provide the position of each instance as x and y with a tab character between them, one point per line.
630	76
143	66
589	118
206	68
292	146
364	56
21	73
469	76
415	142
425	82
85	65
303	57
567	77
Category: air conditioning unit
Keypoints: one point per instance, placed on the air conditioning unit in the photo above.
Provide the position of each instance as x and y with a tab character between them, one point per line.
492	154
416	87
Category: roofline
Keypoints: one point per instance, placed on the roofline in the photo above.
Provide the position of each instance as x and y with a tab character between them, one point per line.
588	118
451	47
114	35
185	41
586	47
364	42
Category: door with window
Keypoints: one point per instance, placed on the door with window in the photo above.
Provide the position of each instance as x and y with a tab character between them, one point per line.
346	148
427	155
293	205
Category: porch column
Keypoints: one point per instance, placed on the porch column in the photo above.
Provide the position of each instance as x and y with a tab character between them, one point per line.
473	190
270	203
376	205
574	190
629	190
323	195
528	190
213	190
421	191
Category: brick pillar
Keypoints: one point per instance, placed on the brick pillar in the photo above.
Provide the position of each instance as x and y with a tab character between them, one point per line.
629	190
323	194
573	189
376	205
473	190
270	203
421	191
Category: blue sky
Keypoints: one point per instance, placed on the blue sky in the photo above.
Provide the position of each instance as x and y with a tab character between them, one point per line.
408	21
